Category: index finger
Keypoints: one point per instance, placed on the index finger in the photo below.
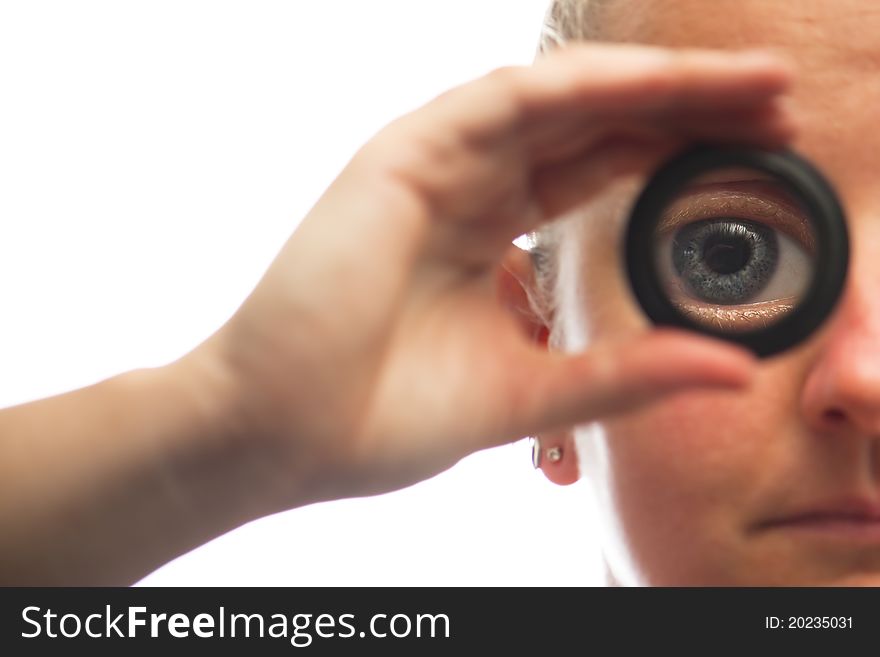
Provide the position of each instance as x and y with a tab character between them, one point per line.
469	158
603	81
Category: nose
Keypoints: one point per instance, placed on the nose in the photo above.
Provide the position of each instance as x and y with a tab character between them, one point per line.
842	388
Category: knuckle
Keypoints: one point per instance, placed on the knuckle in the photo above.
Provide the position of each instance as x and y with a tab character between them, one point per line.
667	84
395	142
504	75
686	67
375	152
506	85
604	366
683	61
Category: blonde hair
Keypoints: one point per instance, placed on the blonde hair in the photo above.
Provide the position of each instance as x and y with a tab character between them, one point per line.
565	21
570	20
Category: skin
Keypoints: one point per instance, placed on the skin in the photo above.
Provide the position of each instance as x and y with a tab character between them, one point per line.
385	341
681	484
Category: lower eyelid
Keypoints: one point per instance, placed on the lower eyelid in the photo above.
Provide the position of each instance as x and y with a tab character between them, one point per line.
743	317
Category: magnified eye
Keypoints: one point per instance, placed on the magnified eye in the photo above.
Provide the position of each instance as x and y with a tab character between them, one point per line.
742	244
728	260
735	256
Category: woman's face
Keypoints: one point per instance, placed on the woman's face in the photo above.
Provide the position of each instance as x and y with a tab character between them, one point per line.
686	485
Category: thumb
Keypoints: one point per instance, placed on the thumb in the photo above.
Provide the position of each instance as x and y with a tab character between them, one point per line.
613	378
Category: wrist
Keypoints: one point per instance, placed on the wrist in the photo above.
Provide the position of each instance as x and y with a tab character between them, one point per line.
117	478
227	471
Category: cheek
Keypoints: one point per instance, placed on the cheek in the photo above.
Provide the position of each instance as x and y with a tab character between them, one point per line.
691	440
730	445
685	477
680	481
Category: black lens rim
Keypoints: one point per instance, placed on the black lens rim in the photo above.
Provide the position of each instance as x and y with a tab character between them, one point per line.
802	180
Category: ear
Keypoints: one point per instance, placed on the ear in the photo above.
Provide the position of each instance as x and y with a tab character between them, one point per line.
516	277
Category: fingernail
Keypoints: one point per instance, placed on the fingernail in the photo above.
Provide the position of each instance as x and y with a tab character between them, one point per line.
765	58
746	367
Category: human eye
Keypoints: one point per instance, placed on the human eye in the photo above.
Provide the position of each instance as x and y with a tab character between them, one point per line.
735	254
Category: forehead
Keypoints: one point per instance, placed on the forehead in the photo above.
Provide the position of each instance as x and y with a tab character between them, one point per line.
834	44
826	29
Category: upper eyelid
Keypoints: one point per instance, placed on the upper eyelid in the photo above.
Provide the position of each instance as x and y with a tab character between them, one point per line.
694	205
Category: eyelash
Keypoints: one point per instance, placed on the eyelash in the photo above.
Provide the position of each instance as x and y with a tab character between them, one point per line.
737	205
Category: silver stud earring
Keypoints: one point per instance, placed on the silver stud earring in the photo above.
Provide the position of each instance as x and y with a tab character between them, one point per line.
554	454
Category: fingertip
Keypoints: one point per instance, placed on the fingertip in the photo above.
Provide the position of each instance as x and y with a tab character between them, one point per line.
635	370
786	120
712	360
769	59
742	365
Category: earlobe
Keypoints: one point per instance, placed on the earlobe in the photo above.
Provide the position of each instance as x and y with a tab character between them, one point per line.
514	280
556	456
553	453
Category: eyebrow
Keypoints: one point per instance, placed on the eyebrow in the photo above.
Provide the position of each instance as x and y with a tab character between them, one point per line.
731	174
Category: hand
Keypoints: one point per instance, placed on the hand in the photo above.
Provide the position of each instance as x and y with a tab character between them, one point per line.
375	351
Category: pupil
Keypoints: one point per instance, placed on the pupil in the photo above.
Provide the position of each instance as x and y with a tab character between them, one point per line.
725	260
726	257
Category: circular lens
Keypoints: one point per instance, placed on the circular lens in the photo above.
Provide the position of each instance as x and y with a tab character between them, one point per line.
729	242
734	250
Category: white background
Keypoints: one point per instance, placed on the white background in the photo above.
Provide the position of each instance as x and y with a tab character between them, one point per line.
155	155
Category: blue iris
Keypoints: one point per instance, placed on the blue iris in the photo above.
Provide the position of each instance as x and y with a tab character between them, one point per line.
725	260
